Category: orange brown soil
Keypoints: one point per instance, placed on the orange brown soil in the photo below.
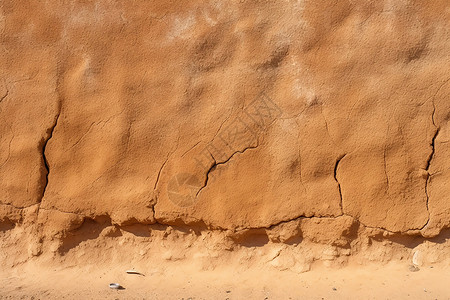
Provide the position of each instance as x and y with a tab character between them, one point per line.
283	135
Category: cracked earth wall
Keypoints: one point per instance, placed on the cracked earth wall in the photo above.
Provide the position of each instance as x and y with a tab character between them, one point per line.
263	121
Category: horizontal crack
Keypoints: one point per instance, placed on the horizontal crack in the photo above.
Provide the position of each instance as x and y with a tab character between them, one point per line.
64	212
325	217
18	207
223	229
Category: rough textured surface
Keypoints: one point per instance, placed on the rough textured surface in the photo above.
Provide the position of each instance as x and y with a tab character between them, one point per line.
250	122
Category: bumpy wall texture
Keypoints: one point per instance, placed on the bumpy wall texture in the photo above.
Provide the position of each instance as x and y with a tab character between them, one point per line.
229	114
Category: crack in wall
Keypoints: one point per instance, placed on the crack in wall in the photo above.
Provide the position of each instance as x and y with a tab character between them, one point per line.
18	207
9	152
432	99
95	124
164	164
59	100
337	181
215	164
44	157
271	226
384	158
385	169
433	113
432	144
427	168
219	228
432	153
64	212
159	172
221	125
211	168
326	124
433	150
4	97
187	151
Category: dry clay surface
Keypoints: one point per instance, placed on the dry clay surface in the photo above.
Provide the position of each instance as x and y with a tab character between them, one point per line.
234	123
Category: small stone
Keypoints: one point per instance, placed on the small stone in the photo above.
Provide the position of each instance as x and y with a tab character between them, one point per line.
227	292
334	289
413	268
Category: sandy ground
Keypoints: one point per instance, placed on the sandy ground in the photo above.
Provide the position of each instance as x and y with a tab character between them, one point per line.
392	281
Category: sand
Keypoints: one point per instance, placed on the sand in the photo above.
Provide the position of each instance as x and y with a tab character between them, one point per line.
390	281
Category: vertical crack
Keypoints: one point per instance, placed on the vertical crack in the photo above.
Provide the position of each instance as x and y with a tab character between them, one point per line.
427	168
7	91
4	96
433	149
58	103
432	144
433	113
211	168
384	159
337	181
164	164
385	169
49	132
44	157
9	151
432	99
159	172
326	125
